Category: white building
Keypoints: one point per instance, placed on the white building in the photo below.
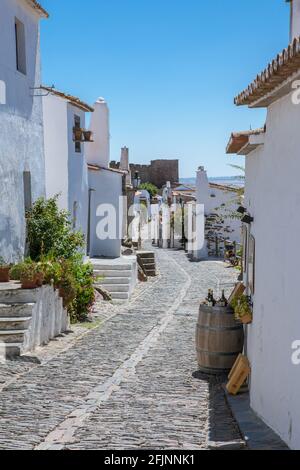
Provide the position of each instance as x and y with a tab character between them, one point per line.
21	125
218	202
65	160
272	199
106	187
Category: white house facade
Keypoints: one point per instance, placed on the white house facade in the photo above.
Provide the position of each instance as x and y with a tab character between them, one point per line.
65	160
22	170
106	190
272	200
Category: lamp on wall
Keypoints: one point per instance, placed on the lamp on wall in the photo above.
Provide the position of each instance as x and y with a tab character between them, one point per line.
247	219
136	180
241	210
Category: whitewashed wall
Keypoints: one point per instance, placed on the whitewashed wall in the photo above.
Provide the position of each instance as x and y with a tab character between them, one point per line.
21	126
56	148
273	198
66	170
107	191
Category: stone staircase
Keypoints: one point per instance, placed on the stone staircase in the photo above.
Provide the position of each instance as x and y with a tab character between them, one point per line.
28	318
118	277
146	260
16	307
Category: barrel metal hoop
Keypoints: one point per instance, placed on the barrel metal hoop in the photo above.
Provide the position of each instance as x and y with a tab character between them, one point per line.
219	353
221	328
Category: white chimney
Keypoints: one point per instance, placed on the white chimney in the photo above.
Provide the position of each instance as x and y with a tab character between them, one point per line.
124	164
98	152
202	186
295	19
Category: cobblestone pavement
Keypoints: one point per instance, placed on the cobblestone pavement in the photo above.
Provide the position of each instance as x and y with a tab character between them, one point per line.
128	383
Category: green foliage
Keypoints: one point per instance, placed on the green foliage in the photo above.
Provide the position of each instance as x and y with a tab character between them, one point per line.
85	294
55	254
50	231
151	188
241	306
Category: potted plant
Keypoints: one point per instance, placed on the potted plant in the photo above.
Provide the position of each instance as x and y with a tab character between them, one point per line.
77	134
28	276
4	271
67	285
39	274
242	309
87	136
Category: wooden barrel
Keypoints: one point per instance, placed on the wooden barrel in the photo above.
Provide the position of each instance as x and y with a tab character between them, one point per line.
219	339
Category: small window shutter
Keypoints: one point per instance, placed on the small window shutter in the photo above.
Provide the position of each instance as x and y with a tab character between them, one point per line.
27	190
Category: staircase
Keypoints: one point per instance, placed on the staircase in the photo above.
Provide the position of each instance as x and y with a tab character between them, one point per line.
16	307
29	318
118	276
146	260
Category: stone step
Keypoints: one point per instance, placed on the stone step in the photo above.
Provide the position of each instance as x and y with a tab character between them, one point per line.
151	273
117	287
112	267
145	254
10	350
12	336
16	310
14	324
18	295
120	295
112	273
149	265
114	280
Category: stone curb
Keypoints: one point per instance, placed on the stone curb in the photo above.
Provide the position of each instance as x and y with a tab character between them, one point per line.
257	435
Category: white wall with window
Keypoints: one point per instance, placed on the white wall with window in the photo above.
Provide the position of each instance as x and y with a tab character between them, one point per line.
21	124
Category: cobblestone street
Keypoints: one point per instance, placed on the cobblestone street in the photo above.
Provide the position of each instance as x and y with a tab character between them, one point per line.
128	383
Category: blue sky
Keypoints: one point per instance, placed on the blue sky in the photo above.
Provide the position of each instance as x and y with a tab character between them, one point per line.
169	70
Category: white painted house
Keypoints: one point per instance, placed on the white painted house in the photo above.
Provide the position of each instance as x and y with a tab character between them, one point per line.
22	168
216	202
272	199
106	189
65	159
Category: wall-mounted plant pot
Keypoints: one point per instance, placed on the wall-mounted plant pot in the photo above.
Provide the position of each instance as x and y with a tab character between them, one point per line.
28	283
77	134
246	319
87	136
4	274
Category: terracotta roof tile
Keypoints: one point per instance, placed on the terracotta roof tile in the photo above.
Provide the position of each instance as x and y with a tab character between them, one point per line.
277	72
72	99
238	140
38	7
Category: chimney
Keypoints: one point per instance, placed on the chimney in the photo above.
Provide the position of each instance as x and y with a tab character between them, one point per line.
202	186
98	152
294	19
124	164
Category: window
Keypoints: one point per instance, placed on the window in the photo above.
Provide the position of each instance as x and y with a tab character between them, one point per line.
77	126
74	221
20	46
27	190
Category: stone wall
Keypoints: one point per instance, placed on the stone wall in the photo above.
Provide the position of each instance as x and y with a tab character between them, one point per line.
158	172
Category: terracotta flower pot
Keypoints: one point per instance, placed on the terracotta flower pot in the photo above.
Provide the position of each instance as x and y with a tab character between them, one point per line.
39	279
78	135
247	319
28	283
65	296
87	136
4	274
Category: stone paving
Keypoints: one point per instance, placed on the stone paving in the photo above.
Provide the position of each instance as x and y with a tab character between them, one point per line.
130	382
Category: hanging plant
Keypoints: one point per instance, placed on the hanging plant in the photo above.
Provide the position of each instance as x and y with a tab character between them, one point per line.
242	309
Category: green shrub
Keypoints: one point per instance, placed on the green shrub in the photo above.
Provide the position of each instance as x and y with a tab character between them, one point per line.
151	188
50	231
